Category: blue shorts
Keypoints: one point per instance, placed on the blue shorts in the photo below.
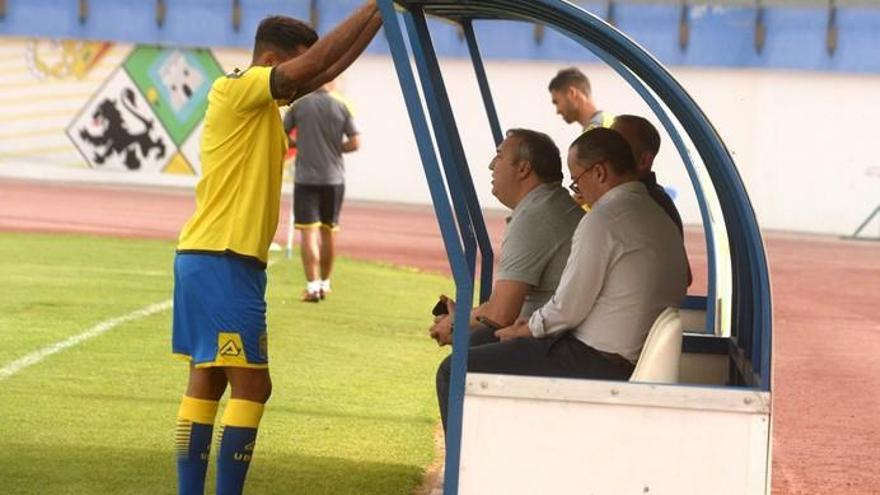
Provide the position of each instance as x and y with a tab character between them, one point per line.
219	311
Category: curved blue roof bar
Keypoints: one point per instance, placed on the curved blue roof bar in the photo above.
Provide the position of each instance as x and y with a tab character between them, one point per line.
749	344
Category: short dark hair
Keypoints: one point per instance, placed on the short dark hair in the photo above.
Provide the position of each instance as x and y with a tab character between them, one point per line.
283	34
605	144
538	149
644	131
568	77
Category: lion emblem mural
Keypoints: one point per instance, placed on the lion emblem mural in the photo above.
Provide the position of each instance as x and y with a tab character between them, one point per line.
117	138
117	130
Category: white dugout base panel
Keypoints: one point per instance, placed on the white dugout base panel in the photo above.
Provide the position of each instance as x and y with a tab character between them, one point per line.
527	435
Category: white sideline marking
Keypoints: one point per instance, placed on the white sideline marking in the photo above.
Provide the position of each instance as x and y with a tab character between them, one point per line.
105	326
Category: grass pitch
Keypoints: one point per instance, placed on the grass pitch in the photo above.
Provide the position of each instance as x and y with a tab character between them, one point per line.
353	408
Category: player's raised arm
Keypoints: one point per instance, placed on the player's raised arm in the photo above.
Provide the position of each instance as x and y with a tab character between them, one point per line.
354	51
298	76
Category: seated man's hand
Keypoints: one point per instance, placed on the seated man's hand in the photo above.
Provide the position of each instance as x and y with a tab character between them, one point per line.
450	304
519	329
441	330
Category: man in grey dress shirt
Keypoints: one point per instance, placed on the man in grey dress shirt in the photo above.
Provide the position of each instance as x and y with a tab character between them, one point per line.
527	178
627	263
644	140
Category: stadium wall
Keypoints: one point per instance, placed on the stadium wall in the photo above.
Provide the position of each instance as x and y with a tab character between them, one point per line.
797	133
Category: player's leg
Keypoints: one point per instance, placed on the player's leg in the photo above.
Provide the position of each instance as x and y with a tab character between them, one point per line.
251	389
310	254
328	256
192	338
306	204
331	207
195	427
244	354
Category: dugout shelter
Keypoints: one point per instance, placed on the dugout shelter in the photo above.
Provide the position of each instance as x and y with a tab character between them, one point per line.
709	431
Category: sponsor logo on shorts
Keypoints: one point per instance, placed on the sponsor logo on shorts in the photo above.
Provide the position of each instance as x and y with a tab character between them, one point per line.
230	349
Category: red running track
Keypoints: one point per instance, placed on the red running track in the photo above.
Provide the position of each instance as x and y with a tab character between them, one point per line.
826	309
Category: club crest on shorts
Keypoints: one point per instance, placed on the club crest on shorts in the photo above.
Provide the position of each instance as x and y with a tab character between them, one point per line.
264	346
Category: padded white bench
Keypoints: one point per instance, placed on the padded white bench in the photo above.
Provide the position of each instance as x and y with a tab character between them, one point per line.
660	359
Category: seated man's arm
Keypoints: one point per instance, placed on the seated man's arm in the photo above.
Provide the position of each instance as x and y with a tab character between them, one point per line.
524	258
502	308
504	305
581	281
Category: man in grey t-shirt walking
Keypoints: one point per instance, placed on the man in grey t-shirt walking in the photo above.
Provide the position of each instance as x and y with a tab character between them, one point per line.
325	130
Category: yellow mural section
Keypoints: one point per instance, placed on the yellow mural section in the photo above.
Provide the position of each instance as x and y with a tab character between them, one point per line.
44	85
47	84
65	58
179	166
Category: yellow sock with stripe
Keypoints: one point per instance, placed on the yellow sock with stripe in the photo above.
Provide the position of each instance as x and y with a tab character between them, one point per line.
238	435
195	425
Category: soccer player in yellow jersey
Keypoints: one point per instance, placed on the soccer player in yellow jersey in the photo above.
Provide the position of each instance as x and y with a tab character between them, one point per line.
219	270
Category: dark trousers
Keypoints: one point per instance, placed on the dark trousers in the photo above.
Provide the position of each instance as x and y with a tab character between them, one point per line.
483	335
562	356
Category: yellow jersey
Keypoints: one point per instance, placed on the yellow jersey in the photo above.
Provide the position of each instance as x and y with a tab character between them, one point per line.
242	151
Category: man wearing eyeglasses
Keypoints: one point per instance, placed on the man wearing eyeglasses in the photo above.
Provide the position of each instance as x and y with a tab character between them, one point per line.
627	264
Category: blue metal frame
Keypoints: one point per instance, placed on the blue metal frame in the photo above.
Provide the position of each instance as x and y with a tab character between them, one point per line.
461	259
483	81
472	225
751	321
445	131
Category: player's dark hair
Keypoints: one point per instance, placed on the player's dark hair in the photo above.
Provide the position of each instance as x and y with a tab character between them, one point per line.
540	151
570	77
604	144
283	34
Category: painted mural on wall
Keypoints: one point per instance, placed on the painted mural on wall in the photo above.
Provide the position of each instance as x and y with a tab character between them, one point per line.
62	59
146	117
106	112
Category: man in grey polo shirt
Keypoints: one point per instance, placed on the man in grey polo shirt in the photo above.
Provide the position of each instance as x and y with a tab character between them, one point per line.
325	130
526	177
